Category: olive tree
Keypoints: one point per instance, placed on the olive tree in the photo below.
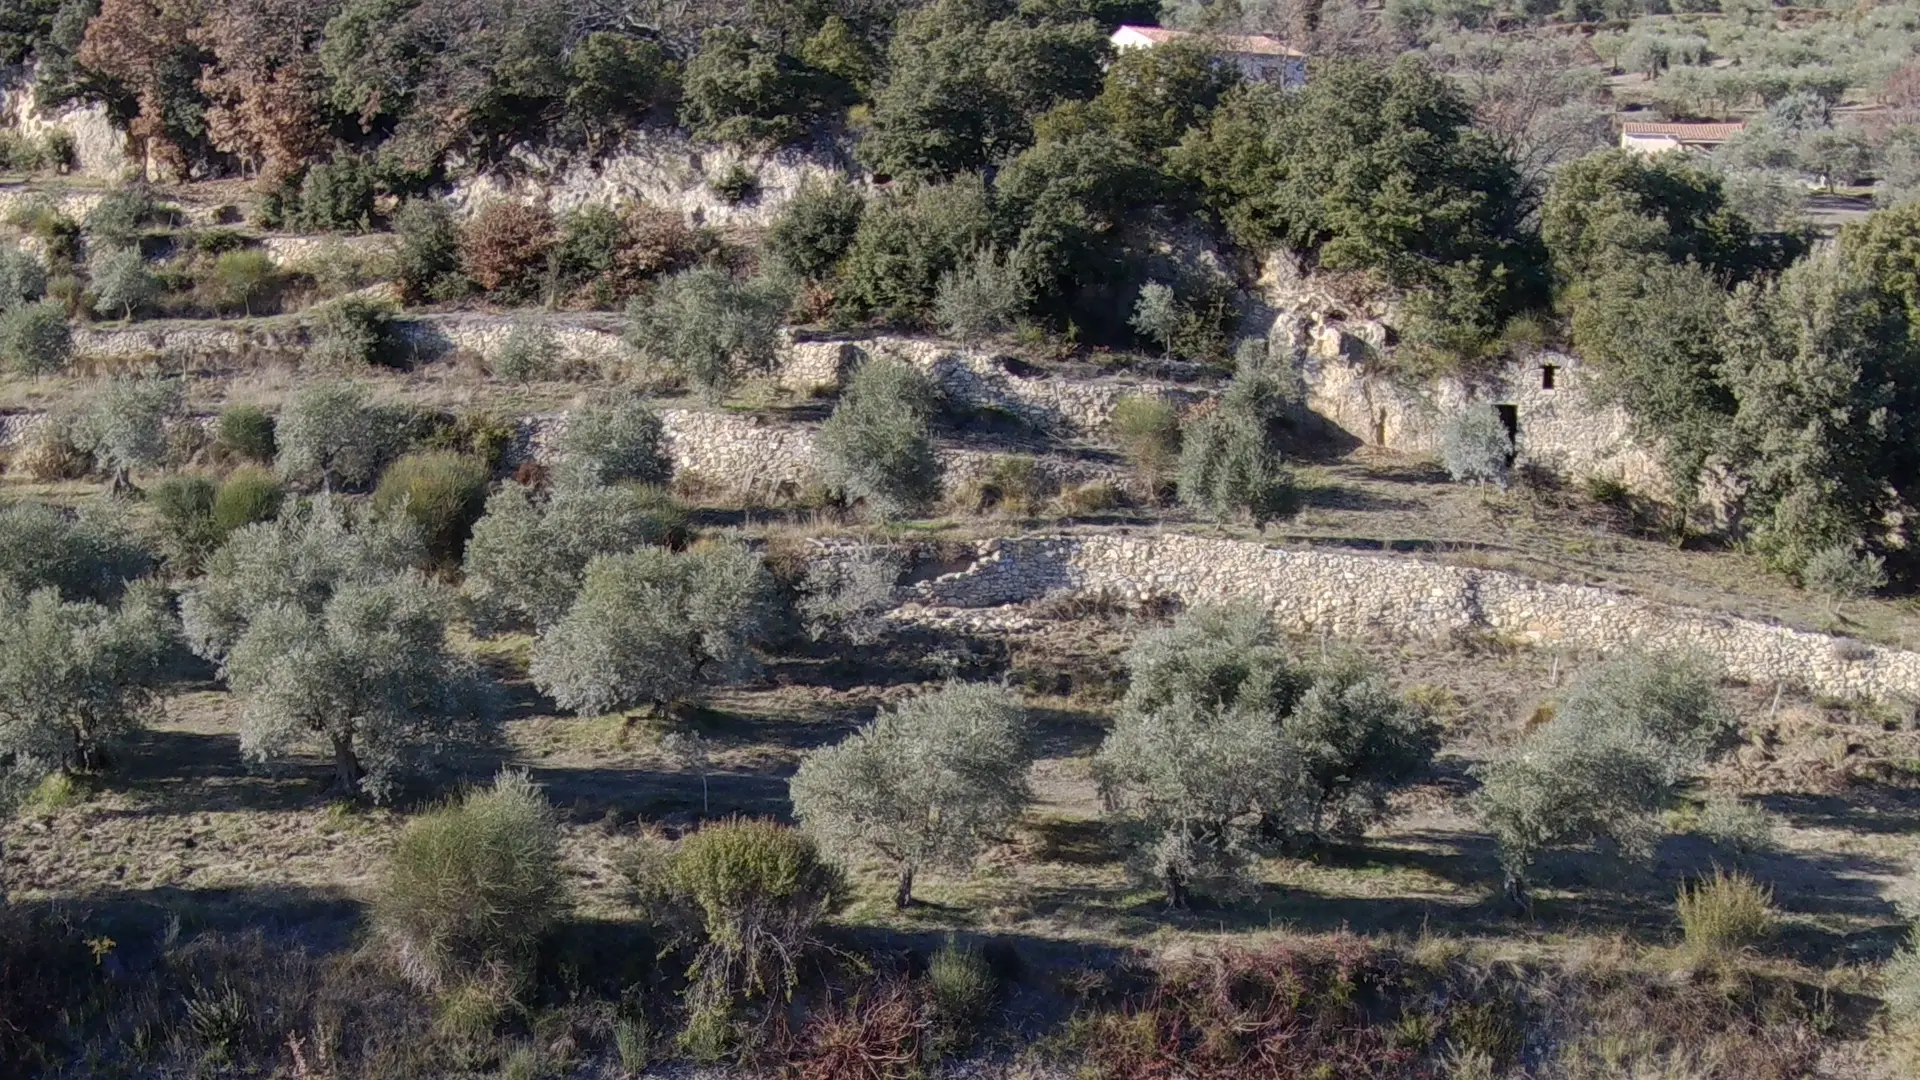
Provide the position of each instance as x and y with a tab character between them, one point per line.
614	438
297	560
526	559
121	282
22	279
126	426
1841	572
1474	445
76	675
930	782
1223	747
329	434
1620	744
1228	463
652	626
369	675
877	447
81	556
709	328
846	594
35	338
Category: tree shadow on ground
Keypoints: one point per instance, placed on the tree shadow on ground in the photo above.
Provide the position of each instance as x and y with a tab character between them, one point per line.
597	794
1347	497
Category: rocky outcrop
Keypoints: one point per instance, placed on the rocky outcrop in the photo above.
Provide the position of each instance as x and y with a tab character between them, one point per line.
1374	596
99	148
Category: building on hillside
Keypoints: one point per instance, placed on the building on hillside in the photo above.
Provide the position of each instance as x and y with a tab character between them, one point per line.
1260	58
1650	138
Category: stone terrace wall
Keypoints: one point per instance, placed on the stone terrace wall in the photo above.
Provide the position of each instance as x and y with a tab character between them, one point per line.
1355	595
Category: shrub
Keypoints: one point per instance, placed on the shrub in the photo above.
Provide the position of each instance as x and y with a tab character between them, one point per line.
1900	982
758	889
328	434
845	594
979	297
614	438
351	334
816	227
83	558
471	889
708	328
651	626
877	447
122	284
248	496
1733	824
530	353
905	242
960	990
657	241
241	279
1474	445
54	450
525	561
1724	913
336	196
441	492
22	278
116	220
183	506
1838	572
1148	430
929	782
737	184
427	252
76	676
126	425
504	248
35	338
736	90
1228	469
245	433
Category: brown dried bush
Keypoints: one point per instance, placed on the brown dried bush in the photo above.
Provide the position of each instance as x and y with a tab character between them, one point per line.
504	248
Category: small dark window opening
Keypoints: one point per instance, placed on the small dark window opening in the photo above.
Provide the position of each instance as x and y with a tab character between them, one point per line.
1547	372
1510	419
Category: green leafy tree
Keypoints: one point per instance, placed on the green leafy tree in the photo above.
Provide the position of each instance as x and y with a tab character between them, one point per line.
737	90
183	510
877	447
1823	372
245	433
336	196
22	279
906	241
76	676
710	328
526	560
652	626
1151	97
816	227
965	80
1074	199
35	338
614	438
369	675
929	783
441	492
426	253
615	80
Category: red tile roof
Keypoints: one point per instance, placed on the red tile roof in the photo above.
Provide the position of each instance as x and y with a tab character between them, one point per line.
1255	44
1695	133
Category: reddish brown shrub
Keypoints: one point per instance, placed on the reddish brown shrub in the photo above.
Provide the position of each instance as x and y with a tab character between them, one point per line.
1281	1011
504	248
876	1034
657	241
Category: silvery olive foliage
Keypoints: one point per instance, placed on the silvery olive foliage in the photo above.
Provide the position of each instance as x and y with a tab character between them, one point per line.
877	447
654	626
368	676
846	594
75	676
1623	740
83	557
125	426
22	278
709	328
1475	446
526	558
928	783
614	438
1224	747
122	284
331	436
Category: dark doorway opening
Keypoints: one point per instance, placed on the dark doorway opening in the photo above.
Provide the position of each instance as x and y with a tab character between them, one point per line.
1547	373
1510	419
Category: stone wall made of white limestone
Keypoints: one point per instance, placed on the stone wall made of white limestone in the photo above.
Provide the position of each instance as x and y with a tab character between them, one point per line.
1370	596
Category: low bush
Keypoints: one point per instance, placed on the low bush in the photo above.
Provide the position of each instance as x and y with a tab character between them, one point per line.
471	889
1735	825
1148	430
118	218
960	989
759	890
816	227
352	334
426	258
245	433
880	1031
1900	982
614	438
530	353
504	248
978	298
1475	446
183	507
335	196
442	493
54	451
876	449
249	495
1724	913
35	338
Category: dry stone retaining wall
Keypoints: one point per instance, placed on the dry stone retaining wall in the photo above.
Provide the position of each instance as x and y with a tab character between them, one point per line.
1361	595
